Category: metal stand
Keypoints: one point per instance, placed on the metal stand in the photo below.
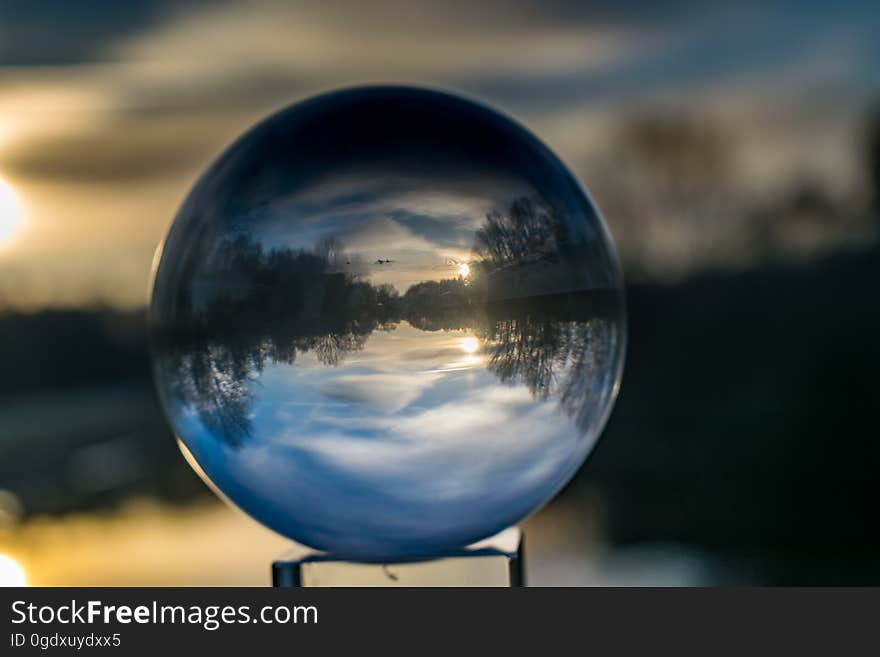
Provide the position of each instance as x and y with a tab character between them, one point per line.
496	561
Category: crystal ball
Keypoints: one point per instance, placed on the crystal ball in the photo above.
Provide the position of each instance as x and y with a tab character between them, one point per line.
387	322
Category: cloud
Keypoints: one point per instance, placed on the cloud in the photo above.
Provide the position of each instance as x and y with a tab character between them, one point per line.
108	95
127	150
54	32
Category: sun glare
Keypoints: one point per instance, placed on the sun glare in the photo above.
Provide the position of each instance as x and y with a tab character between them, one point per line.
464	269
10	211
11	572
470	344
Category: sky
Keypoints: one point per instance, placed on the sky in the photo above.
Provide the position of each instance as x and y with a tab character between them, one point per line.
109	110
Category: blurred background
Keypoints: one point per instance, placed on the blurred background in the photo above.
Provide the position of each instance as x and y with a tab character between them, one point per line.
734	149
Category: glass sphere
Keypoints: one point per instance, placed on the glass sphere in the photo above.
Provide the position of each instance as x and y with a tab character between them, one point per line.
387	322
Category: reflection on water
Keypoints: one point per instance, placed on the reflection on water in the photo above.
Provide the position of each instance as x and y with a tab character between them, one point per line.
404	346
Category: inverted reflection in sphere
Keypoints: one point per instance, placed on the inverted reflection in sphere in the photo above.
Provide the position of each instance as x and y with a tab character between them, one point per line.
387	322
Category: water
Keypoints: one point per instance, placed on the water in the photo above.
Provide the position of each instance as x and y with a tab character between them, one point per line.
388	322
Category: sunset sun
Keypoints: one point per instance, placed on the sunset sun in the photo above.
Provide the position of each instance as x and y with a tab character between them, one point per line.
11	572
10	212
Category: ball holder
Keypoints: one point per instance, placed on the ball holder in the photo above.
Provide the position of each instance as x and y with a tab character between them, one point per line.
495	561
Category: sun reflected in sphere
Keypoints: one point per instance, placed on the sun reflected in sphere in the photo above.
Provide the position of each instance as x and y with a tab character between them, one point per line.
10	212
11	572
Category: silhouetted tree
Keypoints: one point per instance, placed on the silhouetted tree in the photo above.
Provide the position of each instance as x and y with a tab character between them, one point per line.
528	231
